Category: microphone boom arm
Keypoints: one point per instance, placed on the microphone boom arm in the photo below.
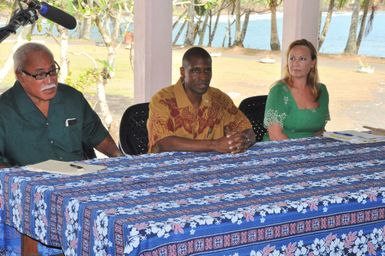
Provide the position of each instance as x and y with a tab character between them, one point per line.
19	18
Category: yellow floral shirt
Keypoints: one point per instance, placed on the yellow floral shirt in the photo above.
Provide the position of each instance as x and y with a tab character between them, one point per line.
172	114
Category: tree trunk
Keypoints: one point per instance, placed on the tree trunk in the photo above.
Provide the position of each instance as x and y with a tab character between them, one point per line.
116	27
108	44
238	31
105	74
64	61
245	25
197	28
326	24
212	34
351	44
85	31
365	8
229	24
203	29
274	40
189	40
179	18
179	32
101	92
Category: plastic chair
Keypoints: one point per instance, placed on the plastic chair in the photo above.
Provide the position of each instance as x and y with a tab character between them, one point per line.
254	110
133	136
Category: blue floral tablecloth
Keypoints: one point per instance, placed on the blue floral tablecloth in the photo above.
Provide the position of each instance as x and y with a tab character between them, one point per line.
311	196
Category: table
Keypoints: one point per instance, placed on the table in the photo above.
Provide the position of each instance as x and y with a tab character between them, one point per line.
314	196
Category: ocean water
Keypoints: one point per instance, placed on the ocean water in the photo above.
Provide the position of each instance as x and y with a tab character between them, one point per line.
258	34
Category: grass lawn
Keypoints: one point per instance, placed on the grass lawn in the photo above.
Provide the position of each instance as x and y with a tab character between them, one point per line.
121	84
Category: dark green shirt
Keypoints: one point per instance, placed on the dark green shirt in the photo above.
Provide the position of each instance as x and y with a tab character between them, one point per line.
27	136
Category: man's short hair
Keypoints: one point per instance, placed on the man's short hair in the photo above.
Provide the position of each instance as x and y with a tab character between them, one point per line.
195	52
21	54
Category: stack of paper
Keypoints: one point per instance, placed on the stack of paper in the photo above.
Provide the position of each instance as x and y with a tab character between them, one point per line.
354	136
66	168
376	131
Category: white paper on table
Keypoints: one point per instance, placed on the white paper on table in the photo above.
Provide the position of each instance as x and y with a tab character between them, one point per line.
66	168
354	136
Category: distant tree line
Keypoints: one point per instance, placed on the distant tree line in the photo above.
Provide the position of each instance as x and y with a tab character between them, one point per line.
199	16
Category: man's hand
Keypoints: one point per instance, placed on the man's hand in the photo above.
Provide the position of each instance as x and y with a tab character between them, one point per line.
232	142
3	165
235	142
109	148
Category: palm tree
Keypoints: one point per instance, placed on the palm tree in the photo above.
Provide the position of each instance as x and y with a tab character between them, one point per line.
329	15
237	8
363	31
351	44
274	40
189	39
354	42
212	30
241	28
325	28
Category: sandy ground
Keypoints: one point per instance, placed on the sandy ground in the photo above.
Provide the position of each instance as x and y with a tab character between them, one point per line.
356	99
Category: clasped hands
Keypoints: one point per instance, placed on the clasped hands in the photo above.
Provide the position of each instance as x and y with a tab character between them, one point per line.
234	142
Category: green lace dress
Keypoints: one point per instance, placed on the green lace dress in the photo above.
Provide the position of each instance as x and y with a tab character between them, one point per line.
282	109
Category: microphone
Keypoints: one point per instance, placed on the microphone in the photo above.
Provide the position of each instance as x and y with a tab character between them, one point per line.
52	13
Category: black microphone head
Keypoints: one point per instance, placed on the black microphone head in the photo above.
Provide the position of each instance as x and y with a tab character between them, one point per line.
56	15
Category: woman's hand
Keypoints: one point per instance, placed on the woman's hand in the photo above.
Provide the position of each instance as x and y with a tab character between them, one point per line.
276	133
319	133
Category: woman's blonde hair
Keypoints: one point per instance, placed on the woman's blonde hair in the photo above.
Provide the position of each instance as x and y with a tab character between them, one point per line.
312	77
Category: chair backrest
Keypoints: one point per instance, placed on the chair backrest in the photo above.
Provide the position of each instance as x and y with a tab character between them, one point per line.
133	136
254	109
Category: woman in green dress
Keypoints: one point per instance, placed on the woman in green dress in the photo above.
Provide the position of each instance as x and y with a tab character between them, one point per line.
298	105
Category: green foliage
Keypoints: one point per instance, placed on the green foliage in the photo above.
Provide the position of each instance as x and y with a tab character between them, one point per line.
199	7
107	69
6	6
342	3
85	82
211	4
3	6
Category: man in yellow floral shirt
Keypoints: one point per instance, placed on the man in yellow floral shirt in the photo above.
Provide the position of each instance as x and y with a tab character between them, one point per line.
191	116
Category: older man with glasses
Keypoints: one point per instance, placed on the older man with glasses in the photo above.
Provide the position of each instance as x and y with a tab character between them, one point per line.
42	119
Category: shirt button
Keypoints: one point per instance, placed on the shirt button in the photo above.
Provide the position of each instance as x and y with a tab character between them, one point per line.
51	141
61	158
47	124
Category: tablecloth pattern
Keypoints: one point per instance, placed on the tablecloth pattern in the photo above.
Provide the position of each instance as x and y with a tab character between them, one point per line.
314	196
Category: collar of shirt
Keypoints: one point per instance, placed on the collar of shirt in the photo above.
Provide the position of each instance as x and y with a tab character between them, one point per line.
25	104
183	101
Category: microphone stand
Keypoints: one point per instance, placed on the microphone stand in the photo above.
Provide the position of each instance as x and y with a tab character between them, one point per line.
19	18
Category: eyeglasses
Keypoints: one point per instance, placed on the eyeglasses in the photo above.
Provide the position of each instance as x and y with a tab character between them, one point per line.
42	75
